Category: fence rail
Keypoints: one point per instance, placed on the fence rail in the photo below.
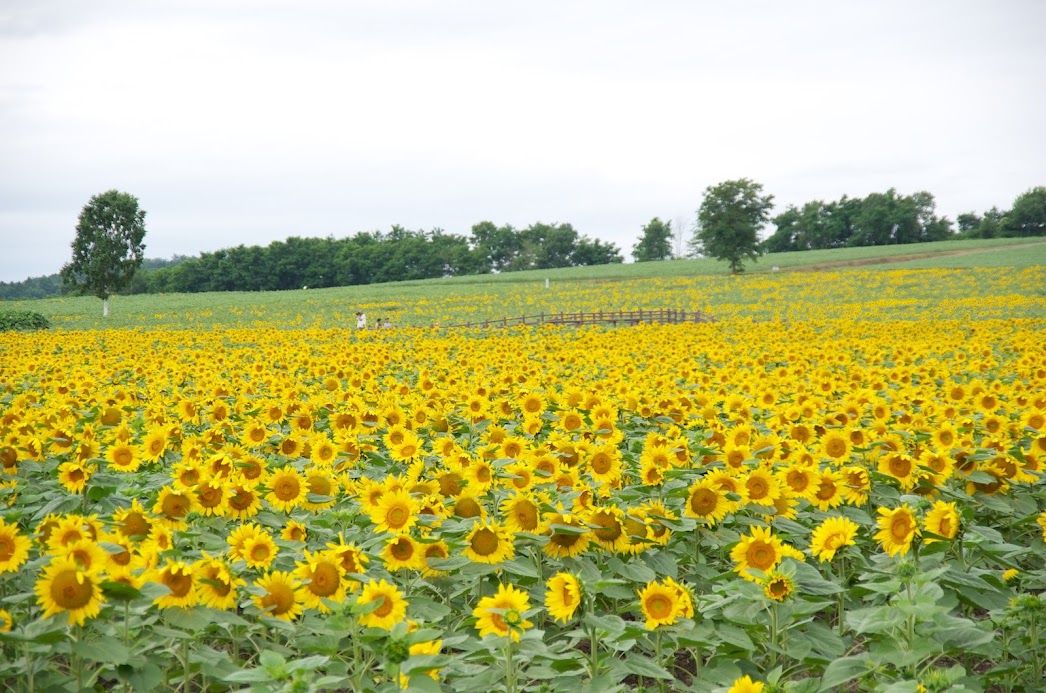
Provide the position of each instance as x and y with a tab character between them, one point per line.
616	317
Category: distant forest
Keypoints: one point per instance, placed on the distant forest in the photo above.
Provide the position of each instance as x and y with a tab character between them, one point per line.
400	254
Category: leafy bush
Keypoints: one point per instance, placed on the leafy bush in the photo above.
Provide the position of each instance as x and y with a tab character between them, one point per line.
22	320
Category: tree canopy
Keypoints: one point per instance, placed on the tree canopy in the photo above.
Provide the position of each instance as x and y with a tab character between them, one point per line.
108	248
655	243
729	220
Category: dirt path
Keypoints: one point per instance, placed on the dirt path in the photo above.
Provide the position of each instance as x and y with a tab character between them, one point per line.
902	258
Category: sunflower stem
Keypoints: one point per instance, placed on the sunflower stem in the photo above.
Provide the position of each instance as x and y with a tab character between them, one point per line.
773	636
510	669
593	652
839	598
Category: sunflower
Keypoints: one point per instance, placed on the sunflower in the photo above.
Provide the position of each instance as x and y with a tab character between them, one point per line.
760	487
518	476
242	501
6	621
87	554
836	445
532	404
745	684
280	595
800	480
155	445
502	613
567	535
216	586
603	462
434	551
395	512
68	529
238	537
409	448
210	498
179	578
73	476
174	505
351	559
14	547
660	604
123	457
259	551
321	574
294	531
426	647
831	535
489	543
942	520
467	505
857	484
828	492
403	551
761	550
522	513
937	466
254	433
901	467
608	528
288	489
777	586
707	501
64	587
391	606
562	596
897	529
480	476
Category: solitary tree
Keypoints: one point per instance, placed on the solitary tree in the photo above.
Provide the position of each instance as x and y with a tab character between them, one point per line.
108	247
729	220
655	243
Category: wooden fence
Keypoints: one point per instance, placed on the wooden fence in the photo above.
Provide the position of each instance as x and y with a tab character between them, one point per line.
617	317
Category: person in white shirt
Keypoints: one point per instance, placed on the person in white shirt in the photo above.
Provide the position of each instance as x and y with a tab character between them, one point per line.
361	320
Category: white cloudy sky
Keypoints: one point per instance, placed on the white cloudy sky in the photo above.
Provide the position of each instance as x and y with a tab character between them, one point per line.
247	121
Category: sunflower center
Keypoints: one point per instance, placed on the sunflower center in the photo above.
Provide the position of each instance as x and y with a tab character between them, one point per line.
761	555
609	527
385	609
703	501
402	549
325	580
601	463
259	552
899	466
485	542
175	506
123	457
527	516
659	606
280	598
900	527
835	448
757	489
241	499
826	489
397	516
467	507
178	583
7	548
70	591
287	489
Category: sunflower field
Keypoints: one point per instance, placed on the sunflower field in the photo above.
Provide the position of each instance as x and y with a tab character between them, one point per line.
844	495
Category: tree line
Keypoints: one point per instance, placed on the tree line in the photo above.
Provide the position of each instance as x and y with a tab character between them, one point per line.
726	226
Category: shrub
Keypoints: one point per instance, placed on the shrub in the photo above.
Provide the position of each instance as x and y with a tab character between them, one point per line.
26	320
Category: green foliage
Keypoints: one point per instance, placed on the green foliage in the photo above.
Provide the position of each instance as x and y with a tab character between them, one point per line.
22	320
108	247
729	220
1027	217
655	243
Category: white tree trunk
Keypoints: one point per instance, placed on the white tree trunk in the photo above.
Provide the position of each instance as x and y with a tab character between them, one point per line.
105	307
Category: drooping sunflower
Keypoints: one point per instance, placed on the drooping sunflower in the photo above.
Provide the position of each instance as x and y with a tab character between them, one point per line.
943	520
280	595
395	512
660	604
897	528
391	606
502	613
707	501
288	488
831	535
14	547
562	596
489	543
180	578
65	588
216	586
323	580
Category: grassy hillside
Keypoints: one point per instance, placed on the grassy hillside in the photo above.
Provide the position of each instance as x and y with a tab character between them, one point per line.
895	281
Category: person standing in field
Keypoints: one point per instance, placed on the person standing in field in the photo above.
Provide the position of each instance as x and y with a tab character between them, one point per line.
361	320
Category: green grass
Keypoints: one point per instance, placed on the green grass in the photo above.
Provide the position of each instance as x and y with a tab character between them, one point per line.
847	280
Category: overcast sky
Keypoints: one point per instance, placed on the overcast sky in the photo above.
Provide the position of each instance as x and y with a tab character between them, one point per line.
247	121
